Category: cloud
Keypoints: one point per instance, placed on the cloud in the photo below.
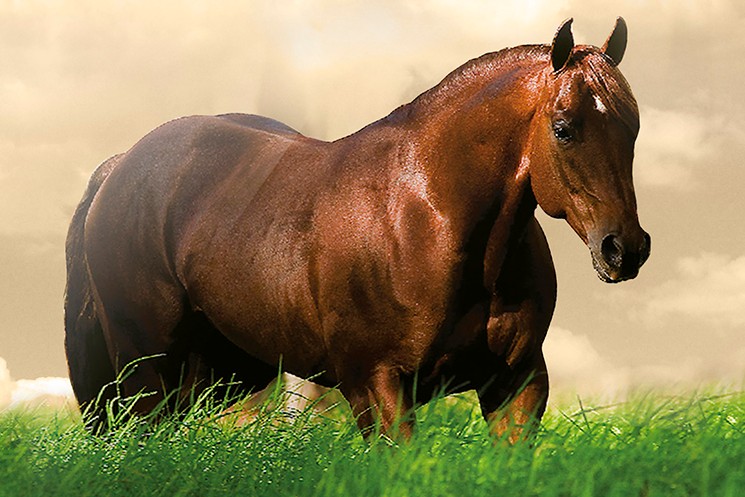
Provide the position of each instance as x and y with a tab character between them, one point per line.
46	390
672	144
709	288
6	384
83	80
574	365
51	391
41	183
325	67
332	67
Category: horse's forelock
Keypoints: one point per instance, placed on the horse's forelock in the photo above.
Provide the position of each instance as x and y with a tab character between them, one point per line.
610	88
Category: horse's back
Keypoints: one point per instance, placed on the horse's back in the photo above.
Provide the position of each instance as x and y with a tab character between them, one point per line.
166	182
259	123
184	160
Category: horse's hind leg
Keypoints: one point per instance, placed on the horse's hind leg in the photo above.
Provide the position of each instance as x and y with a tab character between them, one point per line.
141	340
167	352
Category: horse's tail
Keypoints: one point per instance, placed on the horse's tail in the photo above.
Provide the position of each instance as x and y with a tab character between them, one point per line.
87	357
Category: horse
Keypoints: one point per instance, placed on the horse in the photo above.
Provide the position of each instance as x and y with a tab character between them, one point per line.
398	263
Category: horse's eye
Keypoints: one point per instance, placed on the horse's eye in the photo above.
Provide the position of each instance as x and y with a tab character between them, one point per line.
563	131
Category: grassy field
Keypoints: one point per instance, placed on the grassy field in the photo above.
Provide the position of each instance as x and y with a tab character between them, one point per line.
652	446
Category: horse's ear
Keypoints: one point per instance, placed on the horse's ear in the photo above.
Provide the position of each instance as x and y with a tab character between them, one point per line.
562	45
615	45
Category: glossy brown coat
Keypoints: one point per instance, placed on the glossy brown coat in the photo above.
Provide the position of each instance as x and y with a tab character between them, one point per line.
402	259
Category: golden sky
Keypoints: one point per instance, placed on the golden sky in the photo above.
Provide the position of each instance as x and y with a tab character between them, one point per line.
81	80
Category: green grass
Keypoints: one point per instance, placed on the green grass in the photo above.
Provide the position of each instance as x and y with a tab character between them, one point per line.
651	446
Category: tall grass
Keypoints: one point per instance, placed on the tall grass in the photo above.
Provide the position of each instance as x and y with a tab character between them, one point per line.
651	446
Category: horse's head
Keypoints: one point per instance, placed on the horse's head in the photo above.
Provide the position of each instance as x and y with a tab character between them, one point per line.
581	150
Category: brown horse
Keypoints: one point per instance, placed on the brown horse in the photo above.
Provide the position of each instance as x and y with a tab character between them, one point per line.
397	261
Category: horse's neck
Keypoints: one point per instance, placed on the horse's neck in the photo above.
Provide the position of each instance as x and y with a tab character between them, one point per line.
462	155
475	167
471	168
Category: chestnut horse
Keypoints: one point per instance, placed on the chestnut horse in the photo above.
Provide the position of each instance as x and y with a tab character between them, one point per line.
395	262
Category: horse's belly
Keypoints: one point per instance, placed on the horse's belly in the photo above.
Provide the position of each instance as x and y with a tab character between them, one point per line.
263	306
293	345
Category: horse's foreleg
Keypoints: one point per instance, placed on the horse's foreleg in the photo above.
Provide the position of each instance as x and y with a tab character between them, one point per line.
381	401
514	413
521	308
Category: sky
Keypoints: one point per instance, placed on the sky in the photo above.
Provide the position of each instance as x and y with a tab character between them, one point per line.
81	80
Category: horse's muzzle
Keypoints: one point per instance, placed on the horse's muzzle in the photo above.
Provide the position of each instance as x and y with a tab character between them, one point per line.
619	258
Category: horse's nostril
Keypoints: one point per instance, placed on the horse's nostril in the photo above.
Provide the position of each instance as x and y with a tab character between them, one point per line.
612	251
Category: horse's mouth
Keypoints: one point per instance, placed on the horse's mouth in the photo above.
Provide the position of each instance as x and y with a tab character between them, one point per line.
609	274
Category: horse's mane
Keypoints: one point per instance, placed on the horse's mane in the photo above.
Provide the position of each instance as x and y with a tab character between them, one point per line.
483	68
489	64
603	79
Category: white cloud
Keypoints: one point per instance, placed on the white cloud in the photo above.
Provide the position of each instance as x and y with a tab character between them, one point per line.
52	391
709	288
46	390
574	365
6	384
